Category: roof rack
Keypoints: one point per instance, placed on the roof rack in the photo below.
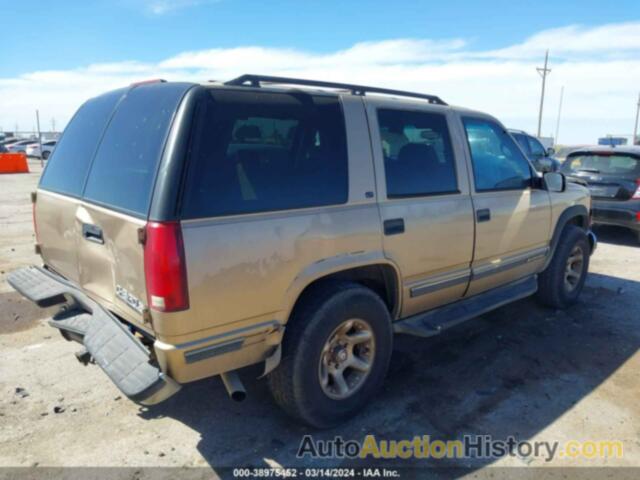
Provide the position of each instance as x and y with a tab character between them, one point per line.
256	80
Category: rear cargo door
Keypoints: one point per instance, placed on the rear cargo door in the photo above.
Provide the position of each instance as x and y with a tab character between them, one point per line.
60	190
117	198
609	175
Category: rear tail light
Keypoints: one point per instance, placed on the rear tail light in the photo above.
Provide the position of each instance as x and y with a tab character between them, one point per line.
636	194
165	268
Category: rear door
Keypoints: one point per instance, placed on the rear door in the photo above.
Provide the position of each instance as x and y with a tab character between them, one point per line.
95	193
117	197
60	190
424	200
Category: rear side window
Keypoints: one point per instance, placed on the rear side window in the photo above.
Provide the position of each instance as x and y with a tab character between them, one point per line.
259	151
602	163
124	168
68	165
418	158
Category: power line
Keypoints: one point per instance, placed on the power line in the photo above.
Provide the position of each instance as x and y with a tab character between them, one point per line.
544	71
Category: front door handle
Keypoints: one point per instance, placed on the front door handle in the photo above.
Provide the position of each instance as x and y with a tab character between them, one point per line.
394	226
483	215
92	233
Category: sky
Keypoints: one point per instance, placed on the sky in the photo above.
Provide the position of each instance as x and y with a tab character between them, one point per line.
477	54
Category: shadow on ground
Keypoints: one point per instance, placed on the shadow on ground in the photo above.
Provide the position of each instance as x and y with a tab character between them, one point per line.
511	372
616	235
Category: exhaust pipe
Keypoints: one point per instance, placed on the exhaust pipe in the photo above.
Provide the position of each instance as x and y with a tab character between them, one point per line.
234	386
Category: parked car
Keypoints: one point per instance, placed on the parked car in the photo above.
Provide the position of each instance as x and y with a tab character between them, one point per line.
8	141
613	178
33	149
541	157
20	146
194	229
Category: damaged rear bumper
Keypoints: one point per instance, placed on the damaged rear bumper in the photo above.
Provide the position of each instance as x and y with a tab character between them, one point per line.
121	355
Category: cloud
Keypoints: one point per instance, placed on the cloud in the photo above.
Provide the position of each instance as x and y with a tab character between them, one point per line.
599	67
574	40
161	7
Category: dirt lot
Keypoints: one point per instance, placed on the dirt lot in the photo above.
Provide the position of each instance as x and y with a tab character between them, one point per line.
524	371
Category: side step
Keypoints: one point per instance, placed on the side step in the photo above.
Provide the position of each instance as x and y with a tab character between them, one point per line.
436	321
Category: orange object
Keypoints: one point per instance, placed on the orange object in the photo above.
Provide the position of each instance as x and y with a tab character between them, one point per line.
13	163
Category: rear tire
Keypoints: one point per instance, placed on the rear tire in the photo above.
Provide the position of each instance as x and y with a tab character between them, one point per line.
45	155
305	384
559	286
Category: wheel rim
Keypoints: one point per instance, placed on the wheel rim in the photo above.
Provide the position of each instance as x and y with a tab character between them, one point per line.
346	359
573	270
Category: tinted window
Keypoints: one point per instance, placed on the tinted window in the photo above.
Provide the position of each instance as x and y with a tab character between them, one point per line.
256	152
498	164
537	150
523	142
605	164
418	158
124	168
67	166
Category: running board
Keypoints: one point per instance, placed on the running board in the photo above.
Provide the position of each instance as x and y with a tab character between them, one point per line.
436	321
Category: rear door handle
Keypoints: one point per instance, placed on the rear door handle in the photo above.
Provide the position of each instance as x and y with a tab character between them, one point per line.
394	226
483	215
93	233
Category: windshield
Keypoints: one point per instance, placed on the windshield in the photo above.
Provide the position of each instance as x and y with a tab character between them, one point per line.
605	164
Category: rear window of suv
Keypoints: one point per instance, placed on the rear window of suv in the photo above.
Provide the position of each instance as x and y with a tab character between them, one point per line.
109	152
68	165
603	163
262	151
124	168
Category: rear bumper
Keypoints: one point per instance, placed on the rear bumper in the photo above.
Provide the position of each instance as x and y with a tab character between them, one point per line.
122	356
621	213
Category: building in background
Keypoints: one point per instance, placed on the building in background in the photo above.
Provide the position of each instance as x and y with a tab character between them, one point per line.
612	141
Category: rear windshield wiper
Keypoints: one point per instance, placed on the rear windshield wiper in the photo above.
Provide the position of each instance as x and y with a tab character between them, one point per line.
589	170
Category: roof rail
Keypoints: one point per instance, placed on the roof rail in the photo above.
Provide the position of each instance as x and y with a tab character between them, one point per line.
256	80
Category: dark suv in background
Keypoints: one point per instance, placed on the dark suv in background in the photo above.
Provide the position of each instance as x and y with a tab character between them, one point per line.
541	157
613	178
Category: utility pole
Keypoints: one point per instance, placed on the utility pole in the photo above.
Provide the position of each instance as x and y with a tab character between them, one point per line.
39	137
559	113
543	73
635	139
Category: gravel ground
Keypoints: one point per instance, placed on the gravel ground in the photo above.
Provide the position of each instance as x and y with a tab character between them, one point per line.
522	370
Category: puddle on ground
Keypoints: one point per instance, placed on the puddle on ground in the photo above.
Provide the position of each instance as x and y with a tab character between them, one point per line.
18	314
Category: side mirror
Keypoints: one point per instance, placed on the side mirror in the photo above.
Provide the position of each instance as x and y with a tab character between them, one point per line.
551	152
555	182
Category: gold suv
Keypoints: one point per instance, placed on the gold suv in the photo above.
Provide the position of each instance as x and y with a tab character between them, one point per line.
191	230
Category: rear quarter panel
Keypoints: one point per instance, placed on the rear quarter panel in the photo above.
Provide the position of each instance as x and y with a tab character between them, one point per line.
245	269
